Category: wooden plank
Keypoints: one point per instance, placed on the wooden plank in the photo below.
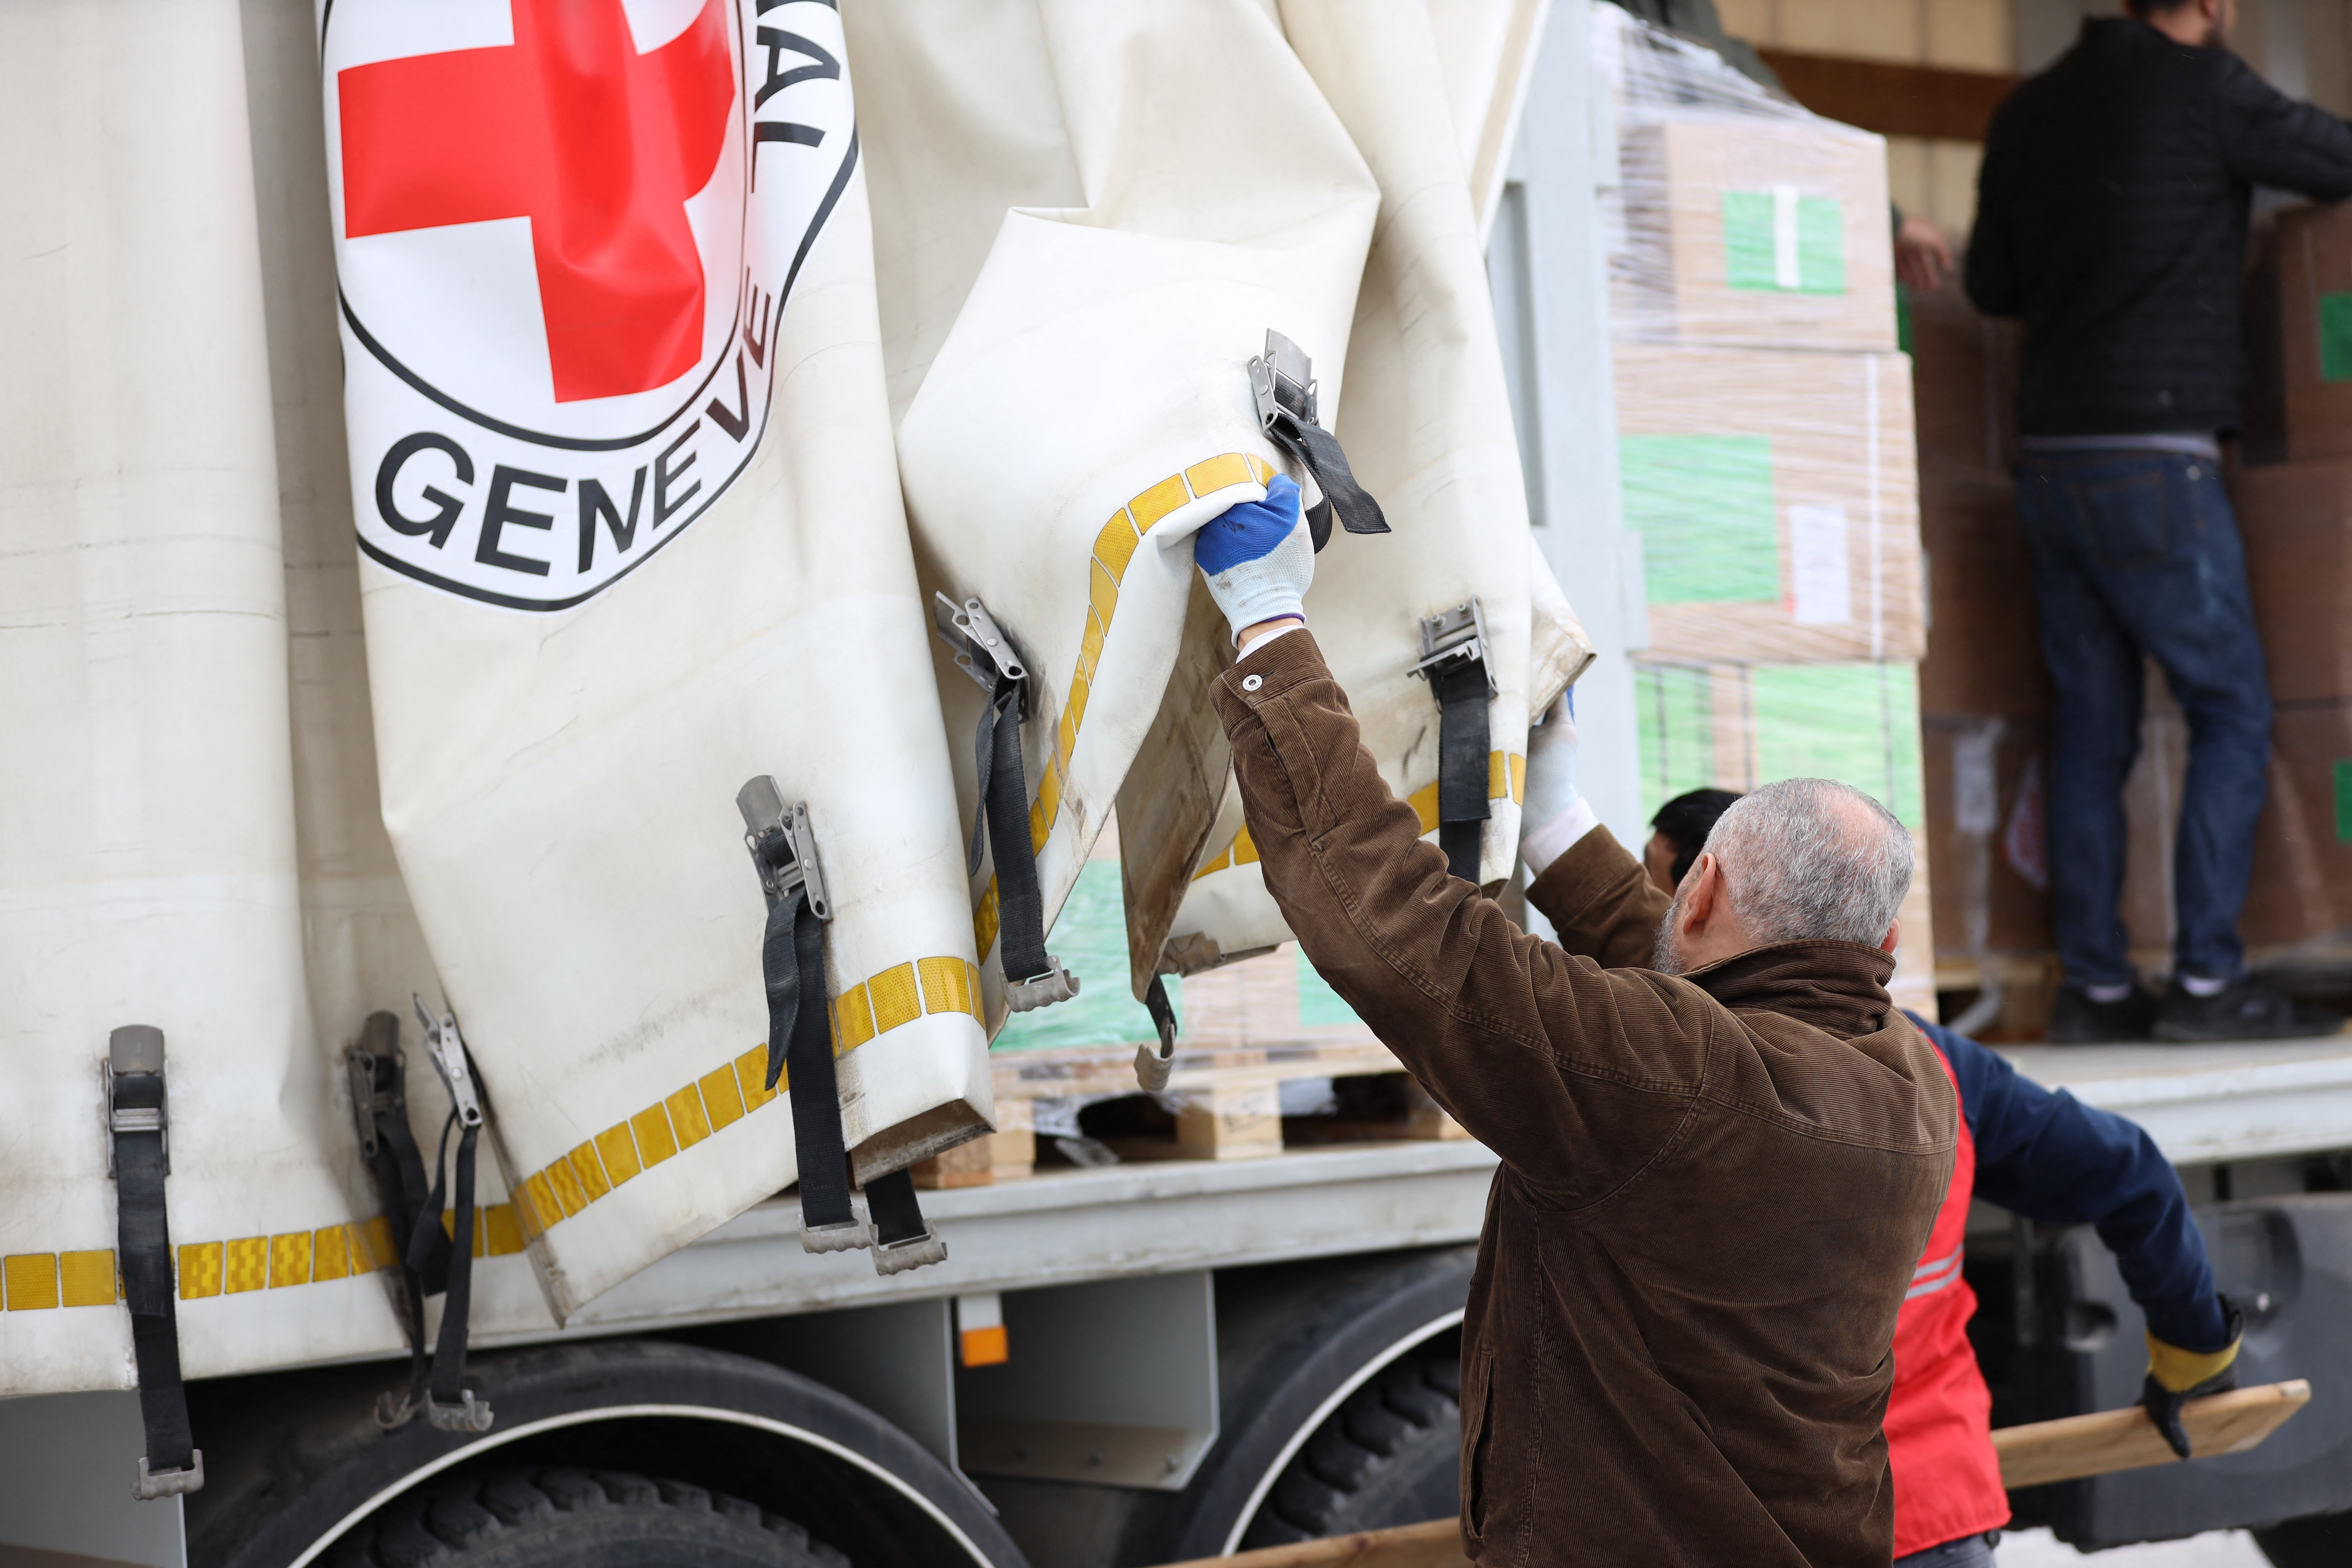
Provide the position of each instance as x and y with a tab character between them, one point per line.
1893	100
1437	1544
2108	1440
1222	1123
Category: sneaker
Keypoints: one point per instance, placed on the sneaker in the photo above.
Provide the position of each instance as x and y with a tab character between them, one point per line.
2243	1010
2076	1020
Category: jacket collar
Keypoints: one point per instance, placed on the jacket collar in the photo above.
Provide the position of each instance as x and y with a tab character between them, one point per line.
1838	987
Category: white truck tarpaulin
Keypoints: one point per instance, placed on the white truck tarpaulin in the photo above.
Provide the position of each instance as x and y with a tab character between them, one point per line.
621	470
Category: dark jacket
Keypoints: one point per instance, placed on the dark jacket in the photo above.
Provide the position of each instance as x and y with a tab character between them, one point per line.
2111	215
1713	1192
2046	1155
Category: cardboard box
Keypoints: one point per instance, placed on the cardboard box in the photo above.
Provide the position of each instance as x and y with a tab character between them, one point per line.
1979	771
2301	896
2314	311
1735	726
2296	520
1963	387
1745	231
1775	496
1984	648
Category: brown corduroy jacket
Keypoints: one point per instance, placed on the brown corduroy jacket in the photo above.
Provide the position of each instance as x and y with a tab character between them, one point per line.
1714	1189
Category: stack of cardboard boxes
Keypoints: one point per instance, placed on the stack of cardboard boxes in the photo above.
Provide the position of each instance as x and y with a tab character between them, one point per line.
1765	426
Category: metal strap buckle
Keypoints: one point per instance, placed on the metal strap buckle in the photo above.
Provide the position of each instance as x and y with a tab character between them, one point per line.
1056	985
783	845
1454	637
137	1051
1282	382
153	1484
897	1256
467	1414
448	1054
982	649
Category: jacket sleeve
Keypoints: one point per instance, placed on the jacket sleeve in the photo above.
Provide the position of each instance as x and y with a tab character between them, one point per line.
1575	1075
2270	139
1991	272
1601	901
2046	1155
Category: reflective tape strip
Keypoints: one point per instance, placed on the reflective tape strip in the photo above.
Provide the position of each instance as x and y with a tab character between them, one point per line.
1930	1278
705	1106
1506	774
1115	546
1939	1265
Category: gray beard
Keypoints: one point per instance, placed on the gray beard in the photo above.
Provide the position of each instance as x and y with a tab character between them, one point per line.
1667	955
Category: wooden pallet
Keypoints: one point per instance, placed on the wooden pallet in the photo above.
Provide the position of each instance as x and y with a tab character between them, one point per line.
1226	1100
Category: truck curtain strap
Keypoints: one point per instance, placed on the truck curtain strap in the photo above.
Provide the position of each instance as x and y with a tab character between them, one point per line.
1453	662
1033	977
139	1157
1284	387
432	1262
800	1036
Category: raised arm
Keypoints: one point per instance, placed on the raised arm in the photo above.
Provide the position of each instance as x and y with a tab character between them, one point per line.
1575	1075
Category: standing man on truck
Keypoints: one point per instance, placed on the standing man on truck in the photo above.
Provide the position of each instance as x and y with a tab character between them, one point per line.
2111	218
2044	1155
1719	1168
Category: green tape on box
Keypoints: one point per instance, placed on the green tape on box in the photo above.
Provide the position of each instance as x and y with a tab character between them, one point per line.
2336	337
1676	730
1703	504
1857	723
1751	248
1090	938
2344	800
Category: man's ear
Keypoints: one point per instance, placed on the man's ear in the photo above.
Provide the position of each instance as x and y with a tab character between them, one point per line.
1894	935
1703	883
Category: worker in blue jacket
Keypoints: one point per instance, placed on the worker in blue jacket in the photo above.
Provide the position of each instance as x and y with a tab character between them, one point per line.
2043	1154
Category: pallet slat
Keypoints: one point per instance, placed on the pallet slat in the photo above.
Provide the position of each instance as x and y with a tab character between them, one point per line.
2107	1440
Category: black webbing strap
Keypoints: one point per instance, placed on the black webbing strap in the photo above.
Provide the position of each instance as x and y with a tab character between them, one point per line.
1004	804
1462	763
898	1216
792	957
450	1401
136	1119
1152	1068
1318	451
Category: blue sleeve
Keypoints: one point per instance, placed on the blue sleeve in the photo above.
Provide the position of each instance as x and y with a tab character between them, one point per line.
2046	1155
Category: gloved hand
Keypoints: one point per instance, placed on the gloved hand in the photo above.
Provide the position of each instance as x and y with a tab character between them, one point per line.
2175	1376
1258	558
1550	787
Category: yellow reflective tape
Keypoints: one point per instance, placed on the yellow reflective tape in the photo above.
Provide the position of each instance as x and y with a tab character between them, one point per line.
751	1073
1090	646
722	1098
289	1259
247	1265
503	1229
1041	810
1244	848
1424	802
378	1235
1219	864
571	1197
1101	592
1221	472
896	1001
1158	502
943	985
1115	546
595	1180
544	1210
1065	739
1498	775
30	1280
857	1018
330	1256
1260	470
1518	777
983	921
619	1152
971	979
200	1269
88	1278
655	1141
686	1117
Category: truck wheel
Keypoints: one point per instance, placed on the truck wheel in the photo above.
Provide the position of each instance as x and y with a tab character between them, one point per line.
1390	1455
576	1519
2317	1541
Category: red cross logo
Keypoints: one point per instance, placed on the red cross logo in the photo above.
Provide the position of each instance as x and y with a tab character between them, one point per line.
572	128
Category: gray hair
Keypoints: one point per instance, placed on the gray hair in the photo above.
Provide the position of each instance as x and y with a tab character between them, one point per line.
1813	859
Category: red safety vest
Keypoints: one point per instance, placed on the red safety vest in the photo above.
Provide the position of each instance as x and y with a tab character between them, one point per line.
1939	1416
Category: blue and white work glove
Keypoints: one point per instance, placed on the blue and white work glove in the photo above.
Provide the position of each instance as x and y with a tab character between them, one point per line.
1552	815
1258	558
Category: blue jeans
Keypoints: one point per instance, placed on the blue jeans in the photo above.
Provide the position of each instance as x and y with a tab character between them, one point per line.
2137	554
1968	1552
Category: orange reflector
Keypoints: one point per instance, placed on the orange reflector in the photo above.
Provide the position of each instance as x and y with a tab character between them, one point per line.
986	1347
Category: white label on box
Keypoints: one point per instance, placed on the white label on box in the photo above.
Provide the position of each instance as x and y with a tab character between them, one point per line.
1821	578
1787	271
